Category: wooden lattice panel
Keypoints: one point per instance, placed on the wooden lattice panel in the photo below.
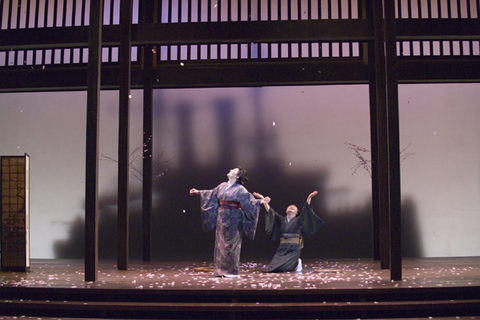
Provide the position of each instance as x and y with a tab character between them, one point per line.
14	213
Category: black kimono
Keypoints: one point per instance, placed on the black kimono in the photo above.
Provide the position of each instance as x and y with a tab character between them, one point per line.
290	233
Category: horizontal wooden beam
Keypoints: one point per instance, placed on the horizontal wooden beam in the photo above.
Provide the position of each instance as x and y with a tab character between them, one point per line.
240	32
255	31
183	33
263	73
259	73
438	29
438	70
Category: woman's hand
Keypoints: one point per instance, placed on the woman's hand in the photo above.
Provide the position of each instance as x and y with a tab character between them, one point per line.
193	191
310	196
265	200
258	195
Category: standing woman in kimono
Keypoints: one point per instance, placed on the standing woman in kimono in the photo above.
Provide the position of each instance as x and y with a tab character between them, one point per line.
289	228
231	210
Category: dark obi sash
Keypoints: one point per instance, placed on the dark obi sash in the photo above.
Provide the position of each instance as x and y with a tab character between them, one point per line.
227	204
292	238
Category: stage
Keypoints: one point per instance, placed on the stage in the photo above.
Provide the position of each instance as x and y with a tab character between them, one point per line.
430	287
319	275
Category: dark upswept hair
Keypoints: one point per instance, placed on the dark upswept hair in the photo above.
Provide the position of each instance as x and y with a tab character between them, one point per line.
242	175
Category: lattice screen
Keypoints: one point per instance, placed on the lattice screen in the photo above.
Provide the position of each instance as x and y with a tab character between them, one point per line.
15	213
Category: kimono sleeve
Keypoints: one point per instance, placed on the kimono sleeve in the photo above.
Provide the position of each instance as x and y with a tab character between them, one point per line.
310	221
251	208
208	208
272	222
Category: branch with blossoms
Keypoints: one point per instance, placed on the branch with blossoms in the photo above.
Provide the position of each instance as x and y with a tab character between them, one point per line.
362	161
365	163
138	154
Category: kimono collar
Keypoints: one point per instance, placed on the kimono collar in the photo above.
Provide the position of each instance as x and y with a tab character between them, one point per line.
288	220
229	186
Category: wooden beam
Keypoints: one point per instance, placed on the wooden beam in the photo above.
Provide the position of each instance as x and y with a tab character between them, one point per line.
148	78
240	31
91	176
291	72
382	138
182	33
372	87
123	135
393	143
253	31
254	73
437	29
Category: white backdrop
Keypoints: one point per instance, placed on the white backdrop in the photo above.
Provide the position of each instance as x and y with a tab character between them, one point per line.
304	129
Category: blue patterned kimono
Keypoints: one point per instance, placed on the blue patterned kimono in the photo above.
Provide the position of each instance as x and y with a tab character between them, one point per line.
229	223
290	233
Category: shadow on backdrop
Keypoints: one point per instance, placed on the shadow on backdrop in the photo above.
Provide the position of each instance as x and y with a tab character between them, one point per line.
175	221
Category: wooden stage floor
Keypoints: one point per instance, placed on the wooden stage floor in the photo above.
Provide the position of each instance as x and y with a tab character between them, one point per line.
431	288
181	275
316	275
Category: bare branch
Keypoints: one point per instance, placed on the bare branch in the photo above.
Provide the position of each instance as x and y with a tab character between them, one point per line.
365	163
138	154
362	161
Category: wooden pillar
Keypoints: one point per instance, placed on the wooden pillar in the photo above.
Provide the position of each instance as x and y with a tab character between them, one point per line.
388	137
368	13
123	134
148	10
91	170
393	141
382	136
147	194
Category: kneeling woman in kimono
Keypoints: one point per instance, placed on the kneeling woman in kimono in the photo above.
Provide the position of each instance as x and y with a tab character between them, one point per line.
231	210
289	228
